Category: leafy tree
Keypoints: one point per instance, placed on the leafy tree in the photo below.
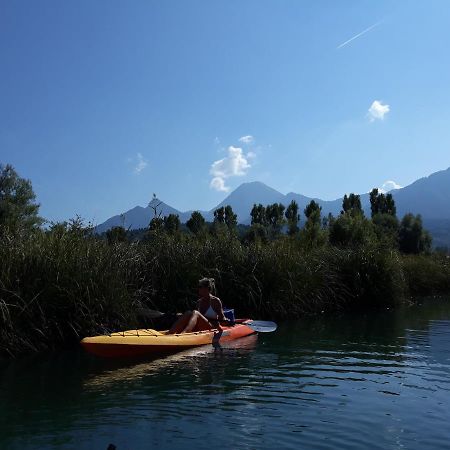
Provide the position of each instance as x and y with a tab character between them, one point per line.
292	217
386	228
230	218
275	217
382	204
219	215
258	215
172	223
413	238
352	204
311	210
312	234
389	206
116	234
351	229
374	203
17	207
328	221
196	223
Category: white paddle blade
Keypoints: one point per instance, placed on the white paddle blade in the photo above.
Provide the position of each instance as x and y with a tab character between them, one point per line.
261	326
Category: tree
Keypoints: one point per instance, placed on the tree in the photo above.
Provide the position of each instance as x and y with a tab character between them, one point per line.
292	217
352	204
225	222
230	218
412	237
350	229
196	223
218	227
219	215
172	223
258	215
374	204
311	209
386	227
312	234
18	209
275	217
382	204
389	206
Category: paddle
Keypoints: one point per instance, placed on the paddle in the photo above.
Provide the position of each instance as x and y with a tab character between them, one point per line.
260	326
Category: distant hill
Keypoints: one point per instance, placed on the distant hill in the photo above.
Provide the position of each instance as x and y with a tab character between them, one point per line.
139	217
428	196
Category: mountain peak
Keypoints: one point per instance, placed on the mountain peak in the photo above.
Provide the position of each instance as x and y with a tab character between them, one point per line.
429	196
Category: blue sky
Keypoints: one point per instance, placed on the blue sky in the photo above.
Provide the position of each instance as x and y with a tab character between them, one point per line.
103	103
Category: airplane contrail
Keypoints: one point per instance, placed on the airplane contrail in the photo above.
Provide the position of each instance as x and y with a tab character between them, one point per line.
358	35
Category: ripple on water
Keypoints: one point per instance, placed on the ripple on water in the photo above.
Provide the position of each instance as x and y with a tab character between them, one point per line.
382	391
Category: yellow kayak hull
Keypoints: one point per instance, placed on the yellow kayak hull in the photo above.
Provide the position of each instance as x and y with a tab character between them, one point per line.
143	342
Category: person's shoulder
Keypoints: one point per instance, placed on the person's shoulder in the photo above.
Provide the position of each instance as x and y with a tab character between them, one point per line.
216	299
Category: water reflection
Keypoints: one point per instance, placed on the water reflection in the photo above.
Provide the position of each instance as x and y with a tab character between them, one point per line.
376	380
191	358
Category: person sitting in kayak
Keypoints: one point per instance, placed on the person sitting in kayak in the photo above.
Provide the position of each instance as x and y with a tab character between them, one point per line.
209	313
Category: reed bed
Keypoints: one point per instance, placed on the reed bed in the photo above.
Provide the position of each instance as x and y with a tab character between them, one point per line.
57	287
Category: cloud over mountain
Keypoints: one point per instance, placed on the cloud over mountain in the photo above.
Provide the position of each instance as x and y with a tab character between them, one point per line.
233	165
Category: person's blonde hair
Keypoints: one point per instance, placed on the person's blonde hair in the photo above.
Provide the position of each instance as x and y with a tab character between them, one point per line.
209	283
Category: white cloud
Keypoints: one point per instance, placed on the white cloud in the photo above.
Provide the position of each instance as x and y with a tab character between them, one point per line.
234	165
141	164
247	139
218	184
216	140
377	110
388	186
251	155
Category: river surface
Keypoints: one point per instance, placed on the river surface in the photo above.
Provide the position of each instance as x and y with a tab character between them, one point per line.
360	381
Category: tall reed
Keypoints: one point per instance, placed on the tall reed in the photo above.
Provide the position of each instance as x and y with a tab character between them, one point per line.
57	287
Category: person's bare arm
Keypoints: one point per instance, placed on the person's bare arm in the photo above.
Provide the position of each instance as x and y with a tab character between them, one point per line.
219	310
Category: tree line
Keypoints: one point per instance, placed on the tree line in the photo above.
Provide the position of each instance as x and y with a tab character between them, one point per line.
19	211
275	221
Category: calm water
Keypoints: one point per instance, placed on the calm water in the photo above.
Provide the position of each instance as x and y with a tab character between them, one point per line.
377	381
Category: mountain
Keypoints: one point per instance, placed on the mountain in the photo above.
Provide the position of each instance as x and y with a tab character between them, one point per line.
246	195
428	196
139	217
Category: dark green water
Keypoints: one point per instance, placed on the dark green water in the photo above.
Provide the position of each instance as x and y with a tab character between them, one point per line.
374	381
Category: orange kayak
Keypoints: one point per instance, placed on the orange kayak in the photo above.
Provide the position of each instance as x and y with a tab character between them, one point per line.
143	342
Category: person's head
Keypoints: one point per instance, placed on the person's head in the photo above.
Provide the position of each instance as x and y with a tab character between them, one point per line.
206	286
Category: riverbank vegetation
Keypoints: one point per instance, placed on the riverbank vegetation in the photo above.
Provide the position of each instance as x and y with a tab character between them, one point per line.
61	283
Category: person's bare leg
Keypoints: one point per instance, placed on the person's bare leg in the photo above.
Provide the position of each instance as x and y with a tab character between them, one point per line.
181	323
192	322
198	322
